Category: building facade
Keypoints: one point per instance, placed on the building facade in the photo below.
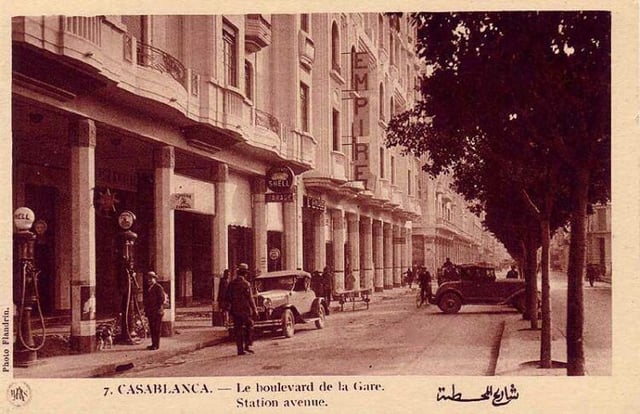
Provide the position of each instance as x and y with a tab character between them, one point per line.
447	229
186	121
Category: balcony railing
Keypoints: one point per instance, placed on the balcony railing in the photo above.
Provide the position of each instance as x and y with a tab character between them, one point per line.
157	59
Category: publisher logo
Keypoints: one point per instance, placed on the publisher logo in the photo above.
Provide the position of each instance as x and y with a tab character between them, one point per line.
19	394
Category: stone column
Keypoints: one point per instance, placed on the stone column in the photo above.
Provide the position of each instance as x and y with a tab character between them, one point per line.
291	238
366	264
397	255
404	264
409	246
83	235
353	232
320	241
259	212
388	256
338	249
378	265
164	260
220	236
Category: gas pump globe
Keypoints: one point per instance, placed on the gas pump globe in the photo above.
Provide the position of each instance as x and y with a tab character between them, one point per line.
25	348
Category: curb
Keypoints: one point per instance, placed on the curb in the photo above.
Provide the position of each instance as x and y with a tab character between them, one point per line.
111	368
495	351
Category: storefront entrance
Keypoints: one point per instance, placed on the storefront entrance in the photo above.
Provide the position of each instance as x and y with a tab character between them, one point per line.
193	251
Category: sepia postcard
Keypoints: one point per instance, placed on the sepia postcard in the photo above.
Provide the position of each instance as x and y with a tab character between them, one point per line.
399	207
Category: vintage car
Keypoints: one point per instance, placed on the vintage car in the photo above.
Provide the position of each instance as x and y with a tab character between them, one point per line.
477	284
285	298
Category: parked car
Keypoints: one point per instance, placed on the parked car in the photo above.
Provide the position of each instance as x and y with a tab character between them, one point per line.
477	284
285	298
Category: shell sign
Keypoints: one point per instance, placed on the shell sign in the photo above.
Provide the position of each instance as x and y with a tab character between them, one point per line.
280	179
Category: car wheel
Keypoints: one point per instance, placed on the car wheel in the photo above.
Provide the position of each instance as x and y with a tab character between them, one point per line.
288	324
520	303
450	303
320	312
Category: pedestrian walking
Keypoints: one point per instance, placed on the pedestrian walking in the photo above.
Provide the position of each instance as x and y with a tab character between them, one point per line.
316	283
409	274
242	308
327	284
424	281
513	273
154	300
222	296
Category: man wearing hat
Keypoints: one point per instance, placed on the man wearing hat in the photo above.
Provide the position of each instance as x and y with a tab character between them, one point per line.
242	307
154	308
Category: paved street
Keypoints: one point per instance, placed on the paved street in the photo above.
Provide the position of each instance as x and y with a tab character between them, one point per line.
391	338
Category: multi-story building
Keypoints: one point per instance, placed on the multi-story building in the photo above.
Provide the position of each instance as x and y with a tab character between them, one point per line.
447	229
238	138
599	238
179	119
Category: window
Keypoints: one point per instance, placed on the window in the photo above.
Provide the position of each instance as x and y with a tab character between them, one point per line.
335	48
391	49
248	80
304	22
409	182
336	130
393	170
602	219
229	37
392	110
380	31
304	107
381	103
381	162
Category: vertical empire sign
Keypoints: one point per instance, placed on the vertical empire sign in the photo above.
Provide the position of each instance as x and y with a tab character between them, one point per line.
361	116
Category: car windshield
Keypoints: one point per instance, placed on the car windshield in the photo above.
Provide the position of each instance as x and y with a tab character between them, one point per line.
275	283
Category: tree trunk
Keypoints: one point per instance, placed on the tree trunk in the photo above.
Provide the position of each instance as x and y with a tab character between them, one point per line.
545	334
577	255
532	283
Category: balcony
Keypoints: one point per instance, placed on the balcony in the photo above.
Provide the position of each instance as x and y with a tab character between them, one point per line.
159	60
257	33
300	148
306	50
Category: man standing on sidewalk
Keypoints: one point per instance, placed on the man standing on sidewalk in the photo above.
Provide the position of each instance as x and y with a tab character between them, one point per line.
154	308
242	307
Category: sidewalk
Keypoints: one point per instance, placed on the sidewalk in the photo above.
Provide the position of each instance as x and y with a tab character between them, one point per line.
193	331
519	351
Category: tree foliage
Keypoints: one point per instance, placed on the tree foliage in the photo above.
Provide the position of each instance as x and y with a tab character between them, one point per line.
516	105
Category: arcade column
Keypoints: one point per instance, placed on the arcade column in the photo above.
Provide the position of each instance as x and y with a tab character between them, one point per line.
338	248
320	239
378	265
388	256
353	231
83	232
397	257
164	258
220	237
259	210
366	265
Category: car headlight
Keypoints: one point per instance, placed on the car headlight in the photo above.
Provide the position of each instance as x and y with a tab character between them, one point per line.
267	303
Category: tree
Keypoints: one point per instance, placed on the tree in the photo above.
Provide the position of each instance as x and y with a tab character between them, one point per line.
532	84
